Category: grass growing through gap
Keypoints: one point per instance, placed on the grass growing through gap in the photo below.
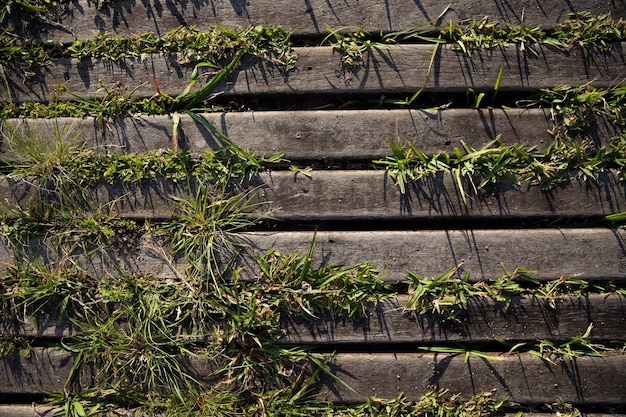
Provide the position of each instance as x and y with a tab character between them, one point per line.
24	12
475	168
438	403
447	295
64	159
191	45
575	108
203	230
580	30
41	155
617	218
351	46
188	45
577	346
142	333
147	338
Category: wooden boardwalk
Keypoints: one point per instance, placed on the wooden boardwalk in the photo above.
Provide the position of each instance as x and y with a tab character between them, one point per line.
353	209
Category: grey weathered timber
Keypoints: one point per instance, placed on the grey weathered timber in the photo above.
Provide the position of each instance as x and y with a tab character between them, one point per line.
35	370
525	379
527	318
398	69
552	253
305	135
352	195
309	135
83	20
48	369
364	195
26	410
593	254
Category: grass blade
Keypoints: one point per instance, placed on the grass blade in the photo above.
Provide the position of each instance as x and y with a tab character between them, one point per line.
431	65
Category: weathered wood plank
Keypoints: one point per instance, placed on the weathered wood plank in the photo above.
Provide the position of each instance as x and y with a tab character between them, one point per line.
39	369
524	379
485	320
352	195
47	369
82	19
30	410
311	135
400	69
592	254
552	253
307	135
365	195
527	318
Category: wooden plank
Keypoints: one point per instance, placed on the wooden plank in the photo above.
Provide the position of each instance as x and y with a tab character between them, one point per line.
23	410
591	254
39	369
527	318
359	195
311	135
399	69
311	17
340	195
552	253
47	369
307	135
524	379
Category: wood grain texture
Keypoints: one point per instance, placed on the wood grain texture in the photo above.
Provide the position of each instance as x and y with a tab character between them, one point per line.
552	253
47	369
39	369
364	195
82	19
398	70
352	195
592	254
485	320
527	318
524	379
23	410
311	135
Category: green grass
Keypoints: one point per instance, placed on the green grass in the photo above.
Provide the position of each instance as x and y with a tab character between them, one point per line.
188	45
472	169
137	329
140	332
25	11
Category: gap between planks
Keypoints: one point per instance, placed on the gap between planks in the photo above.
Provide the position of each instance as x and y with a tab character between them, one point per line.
398	69
37	410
